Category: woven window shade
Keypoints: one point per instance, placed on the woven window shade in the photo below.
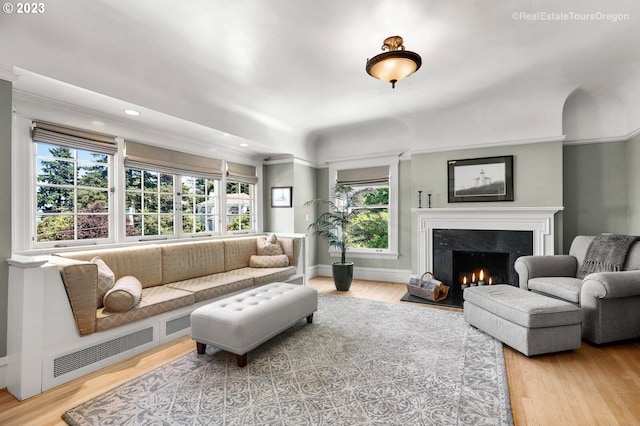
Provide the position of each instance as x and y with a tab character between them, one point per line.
147	157
364	176
73	138
241	173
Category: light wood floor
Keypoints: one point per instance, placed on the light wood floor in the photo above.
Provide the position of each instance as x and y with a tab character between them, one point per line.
589	386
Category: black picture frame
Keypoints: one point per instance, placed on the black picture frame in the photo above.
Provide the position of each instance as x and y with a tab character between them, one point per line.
281	196
481	179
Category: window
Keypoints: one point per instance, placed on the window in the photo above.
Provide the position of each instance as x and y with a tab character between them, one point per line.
240	202
241	197
373	220
83	194
149	203
157	179
377	224
73	181
200	205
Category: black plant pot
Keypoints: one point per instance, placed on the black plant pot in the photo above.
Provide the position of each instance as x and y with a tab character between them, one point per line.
342	275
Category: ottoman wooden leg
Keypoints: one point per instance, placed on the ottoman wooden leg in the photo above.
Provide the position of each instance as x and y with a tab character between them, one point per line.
310	319
242	360
201	347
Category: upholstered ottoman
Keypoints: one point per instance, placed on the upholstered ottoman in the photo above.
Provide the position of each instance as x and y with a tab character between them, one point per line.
528	322
240	323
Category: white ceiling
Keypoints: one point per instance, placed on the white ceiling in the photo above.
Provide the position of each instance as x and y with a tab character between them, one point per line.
287	76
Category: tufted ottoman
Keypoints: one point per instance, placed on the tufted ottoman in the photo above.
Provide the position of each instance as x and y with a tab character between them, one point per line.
240	323
528	322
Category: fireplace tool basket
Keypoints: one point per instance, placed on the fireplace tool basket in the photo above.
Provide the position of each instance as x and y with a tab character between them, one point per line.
428	287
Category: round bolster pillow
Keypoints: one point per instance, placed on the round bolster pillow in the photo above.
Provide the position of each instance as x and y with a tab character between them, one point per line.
124	295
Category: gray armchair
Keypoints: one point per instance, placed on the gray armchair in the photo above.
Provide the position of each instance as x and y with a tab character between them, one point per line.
610	301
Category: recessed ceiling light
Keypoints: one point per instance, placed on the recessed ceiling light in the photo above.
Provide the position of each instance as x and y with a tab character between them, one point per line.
244	144
131	112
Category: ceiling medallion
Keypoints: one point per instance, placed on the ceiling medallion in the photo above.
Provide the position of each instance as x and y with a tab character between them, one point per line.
394	64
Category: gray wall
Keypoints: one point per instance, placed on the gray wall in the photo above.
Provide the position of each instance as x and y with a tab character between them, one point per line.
633	179
537	172
537	179
277	219
602	188
537	183
302	179
5	207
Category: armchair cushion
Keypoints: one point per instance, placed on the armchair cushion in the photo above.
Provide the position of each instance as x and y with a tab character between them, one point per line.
565	288
529	267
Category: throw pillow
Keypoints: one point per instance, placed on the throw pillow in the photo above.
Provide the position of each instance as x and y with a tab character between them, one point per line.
269	246
277	261
106	277
124	295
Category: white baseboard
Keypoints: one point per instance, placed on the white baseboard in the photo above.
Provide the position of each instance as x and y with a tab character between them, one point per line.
362	273
3	372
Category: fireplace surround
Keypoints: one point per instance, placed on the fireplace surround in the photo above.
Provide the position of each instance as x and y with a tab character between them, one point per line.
538	222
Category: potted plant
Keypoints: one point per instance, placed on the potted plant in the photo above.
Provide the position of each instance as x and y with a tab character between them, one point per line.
338	228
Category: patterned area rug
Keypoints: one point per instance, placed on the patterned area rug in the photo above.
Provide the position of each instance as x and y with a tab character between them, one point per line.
360	363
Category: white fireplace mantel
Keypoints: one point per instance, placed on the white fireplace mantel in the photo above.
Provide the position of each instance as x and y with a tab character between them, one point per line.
539	220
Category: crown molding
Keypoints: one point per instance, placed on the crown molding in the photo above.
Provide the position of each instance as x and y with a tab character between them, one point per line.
9	76
365	157
287	160
621	138
558	138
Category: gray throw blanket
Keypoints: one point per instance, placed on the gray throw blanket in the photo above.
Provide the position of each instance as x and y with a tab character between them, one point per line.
607	252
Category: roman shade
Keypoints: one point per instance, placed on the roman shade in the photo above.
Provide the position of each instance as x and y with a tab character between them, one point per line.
73	138
241	173
148	157
364	176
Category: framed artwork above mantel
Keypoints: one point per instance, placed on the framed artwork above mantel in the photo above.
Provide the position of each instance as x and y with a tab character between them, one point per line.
481	179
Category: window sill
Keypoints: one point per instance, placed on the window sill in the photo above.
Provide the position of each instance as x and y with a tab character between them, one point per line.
386	255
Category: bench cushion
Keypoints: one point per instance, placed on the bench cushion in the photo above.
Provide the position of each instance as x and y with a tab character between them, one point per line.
154	301
263	276
212	286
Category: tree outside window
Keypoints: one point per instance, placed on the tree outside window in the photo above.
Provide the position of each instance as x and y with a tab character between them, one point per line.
372	220
149	203
72	194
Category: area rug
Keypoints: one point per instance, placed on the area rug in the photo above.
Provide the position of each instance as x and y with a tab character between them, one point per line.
361	362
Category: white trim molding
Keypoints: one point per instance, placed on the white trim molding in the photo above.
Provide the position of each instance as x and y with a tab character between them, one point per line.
539	220
370	274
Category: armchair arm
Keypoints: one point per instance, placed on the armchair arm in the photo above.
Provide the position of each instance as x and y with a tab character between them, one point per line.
529	267
610	285
609	303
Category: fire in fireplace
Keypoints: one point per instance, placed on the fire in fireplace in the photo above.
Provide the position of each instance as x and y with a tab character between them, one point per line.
480	268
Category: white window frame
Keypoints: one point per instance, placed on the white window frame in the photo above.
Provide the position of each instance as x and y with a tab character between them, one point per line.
391	253
110	164
176	233
252	207
24	193
217	215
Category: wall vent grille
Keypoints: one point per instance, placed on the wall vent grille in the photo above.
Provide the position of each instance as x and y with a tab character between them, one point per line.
178	324
75	360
